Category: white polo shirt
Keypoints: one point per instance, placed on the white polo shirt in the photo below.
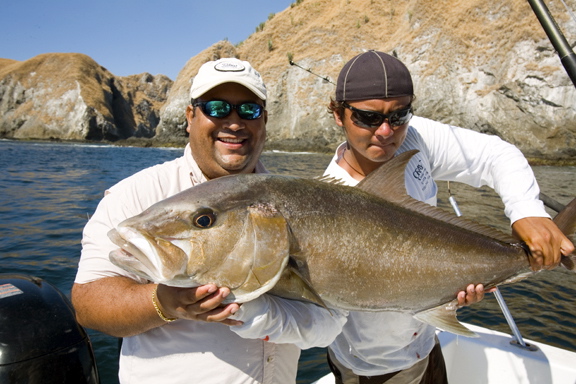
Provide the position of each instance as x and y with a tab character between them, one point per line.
376	343
187	351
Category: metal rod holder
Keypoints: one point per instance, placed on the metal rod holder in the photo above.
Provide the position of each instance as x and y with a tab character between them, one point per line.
518	340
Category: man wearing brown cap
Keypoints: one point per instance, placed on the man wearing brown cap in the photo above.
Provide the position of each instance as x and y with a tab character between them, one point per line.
373	105
185	335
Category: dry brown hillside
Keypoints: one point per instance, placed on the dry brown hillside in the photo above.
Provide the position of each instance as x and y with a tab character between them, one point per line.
69	96
483	65
6	62
62	72
322	28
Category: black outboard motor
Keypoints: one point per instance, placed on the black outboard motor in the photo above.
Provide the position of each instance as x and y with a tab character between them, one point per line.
40	340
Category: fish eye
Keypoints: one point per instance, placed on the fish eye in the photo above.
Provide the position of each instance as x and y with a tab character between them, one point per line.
204	219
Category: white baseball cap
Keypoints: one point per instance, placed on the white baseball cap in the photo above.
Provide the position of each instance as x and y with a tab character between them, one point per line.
227	70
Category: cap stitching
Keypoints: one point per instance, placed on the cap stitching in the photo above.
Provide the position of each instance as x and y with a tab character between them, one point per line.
385	74
346	77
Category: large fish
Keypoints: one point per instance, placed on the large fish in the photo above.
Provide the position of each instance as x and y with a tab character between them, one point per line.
364	248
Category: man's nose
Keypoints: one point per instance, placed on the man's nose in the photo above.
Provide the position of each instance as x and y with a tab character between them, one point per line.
385	129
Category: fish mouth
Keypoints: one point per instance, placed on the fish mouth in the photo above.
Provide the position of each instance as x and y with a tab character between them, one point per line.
146	256
130	256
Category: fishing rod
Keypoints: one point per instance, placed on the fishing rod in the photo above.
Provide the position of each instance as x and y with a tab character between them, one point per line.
559	42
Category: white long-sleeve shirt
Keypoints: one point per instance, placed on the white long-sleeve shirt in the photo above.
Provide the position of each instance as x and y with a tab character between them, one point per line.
376	343
263	350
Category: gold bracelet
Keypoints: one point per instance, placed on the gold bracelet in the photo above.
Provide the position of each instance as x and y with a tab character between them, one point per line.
157	308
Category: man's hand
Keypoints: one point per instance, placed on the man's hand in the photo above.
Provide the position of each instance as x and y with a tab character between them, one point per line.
472	294
202	303
546	242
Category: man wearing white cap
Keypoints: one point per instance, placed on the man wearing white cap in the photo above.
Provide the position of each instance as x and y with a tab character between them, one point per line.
186	335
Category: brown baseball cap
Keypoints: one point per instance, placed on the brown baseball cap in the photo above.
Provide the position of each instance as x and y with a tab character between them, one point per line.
373	75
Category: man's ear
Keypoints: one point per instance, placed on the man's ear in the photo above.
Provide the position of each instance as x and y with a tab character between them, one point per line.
189	117
337	118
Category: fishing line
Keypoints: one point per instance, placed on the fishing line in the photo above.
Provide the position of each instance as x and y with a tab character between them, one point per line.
569	10
325	78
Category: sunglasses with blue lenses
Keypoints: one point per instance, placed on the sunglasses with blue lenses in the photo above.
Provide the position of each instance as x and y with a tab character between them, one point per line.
221	109
372	119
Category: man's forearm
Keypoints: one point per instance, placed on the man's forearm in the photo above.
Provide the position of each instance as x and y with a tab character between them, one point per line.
118	306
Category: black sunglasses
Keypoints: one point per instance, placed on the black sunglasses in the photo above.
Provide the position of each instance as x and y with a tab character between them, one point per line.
221	109
372	119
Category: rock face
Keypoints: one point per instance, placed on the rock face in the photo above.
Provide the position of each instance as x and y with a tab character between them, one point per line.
69	96
486	66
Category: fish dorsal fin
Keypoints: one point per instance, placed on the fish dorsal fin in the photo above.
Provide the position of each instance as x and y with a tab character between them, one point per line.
444	317
387	182
330	180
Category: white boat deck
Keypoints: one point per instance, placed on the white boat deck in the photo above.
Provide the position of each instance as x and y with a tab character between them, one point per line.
492	359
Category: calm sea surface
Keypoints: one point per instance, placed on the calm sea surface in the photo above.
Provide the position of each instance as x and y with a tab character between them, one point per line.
48	191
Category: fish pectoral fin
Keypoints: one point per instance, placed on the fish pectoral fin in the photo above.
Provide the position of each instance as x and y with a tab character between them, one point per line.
308	292
294	286
444	317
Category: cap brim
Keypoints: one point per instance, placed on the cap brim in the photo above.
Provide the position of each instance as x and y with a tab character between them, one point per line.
197	92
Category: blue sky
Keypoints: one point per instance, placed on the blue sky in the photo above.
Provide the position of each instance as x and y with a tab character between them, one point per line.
128	37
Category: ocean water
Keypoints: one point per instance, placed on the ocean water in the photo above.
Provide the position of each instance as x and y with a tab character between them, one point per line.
49	190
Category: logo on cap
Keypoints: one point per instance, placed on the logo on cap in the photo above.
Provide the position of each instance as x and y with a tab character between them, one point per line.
224	66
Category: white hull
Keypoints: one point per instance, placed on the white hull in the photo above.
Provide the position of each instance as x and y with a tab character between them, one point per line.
492	359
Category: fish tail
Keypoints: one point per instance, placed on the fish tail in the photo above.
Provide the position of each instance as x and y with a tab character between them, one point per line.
569	262
566	219
566	222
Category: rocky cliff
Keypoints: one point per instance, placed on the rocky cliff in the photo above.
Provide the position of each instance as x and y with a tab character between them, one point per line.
483	65
69	96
